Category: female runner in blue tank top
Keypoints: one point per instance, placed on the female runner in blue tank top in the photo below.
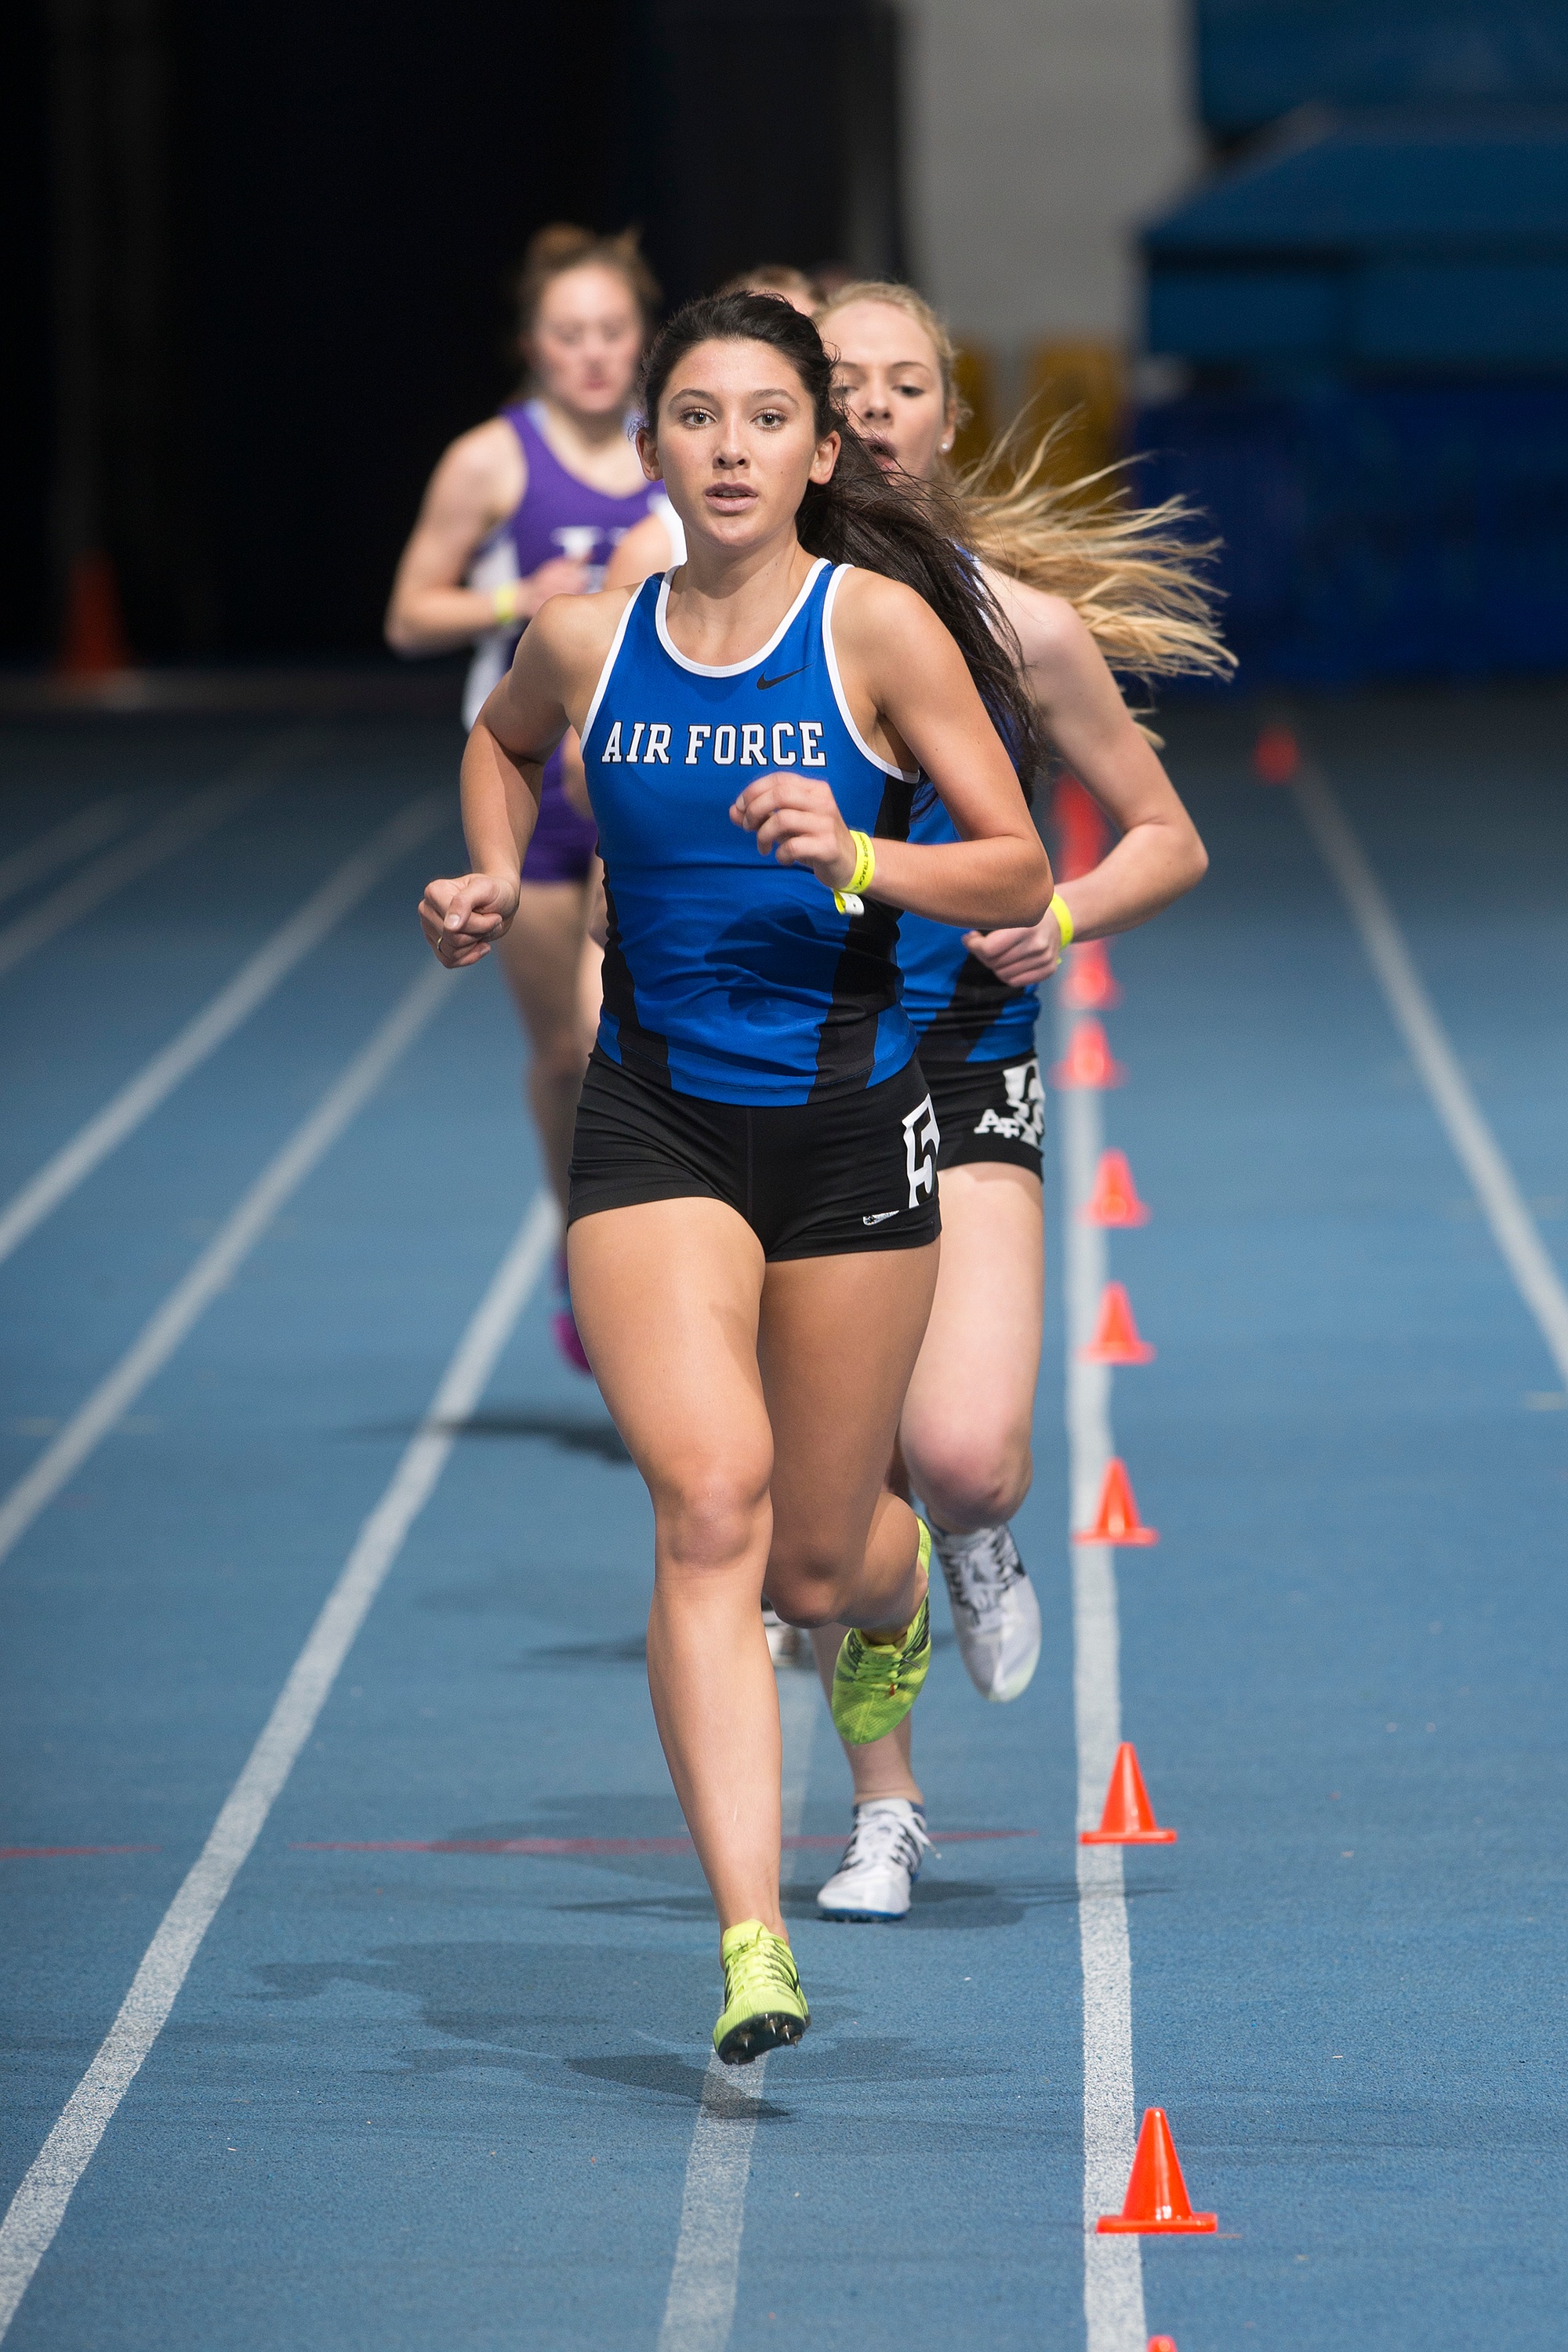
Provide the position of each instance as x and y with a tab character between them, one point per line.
528	506
753	1235
1123	579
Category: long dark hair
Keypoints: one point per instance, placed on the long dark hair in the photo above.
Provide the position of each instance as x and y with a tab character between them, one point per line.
907	530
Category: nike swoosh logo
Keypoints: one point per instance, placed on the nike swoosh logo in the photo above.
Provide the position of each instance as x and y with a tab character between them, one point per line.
880	1218
764	683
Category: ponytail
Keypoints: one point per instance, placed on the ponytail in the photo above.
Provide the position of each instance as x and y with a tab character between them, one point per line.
907	530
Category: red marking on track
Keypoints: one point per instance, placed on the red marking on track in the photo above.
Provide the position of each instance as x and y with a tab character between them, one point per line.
43	1853
591	1845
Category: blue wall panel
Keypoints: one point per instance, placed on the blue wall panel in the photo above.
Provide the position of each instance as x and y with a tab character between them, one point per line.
1373	314
1224	316
1494	314
1421	178
1406	239
1374	301
1259	58
1380	533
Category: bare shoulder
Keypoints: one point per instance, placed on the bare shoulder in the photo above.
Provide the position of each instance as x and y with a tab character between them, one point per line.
482	467
573	634
872	614
1054	638
642	549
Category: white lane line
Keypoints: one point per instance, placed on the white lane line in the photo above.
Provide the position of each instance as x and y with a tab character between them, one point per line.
39	2205
219	1262
202	1036
700	2310
181	829
1513	1228
73	838
1112	2267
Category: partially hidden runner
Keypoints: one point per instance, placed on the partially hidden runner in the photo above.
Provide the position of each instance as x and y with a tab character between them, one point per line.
1088	584
753	1215
525	507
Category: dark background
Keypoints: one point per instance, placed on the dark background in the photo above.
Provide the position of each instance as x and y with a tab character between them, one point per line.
259	262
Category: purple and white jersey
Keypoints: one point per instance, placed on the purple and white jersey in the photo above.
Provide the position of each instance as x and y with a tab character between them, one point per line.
558	515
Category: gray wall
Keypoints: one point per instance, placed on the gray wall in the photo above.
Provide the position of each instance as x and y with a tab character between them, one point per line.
1037	134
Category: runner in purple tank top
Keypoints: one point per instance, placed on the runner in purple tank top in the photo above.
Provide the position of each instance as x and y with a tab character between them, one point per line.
528	506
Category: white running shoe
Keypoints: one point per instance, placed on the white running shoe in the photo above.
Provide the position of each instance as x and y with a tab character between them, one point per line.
783	1641
882	1861
994	1612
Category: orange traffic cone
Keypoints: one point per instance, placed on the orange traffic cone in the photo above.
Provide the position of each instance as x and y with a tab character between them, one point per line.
1276	755
1129	1817
1090	982
1161	2344
93	639
1116	1341
1082	835
1118	1522
1114	1200
1156	2203
1089	1062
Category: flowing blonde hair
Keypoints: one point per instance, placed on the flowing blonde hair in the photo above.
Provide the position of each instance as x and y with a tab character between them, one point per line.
1137	576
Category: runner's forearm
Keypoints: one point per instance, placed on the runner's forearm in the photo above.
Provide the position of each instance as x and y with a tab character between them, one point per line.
439	620
1151	867
501	803
982	885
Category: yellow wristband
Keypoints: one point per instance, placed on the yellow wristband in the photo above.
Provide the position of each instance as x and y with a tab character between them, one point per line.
1060	909
503	602
848	900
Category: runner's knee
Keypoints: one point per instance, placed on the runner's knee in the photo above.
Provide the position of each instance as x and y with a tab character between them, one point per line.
808	1578
710	1516
973	1480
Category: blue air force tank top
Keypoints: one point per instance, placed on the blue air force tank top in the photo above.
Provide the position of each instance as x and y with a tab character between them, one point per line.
727	975
960	1011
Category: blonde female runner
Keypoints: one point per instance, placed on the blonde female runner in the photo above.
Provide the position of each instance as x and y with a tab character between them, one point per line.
1085	583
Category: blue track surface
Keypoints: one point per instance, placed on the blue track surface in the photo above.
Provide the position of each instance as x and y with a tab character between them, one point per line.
417	2098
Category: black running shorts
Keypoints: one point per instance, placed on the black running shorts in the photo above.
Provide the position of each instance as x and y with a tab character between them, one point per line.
856	1172
989	1110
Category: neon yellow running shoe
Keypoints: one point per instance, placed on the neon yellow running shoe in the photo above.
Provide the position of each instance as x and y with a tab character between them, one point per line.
875	1684
763	2004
